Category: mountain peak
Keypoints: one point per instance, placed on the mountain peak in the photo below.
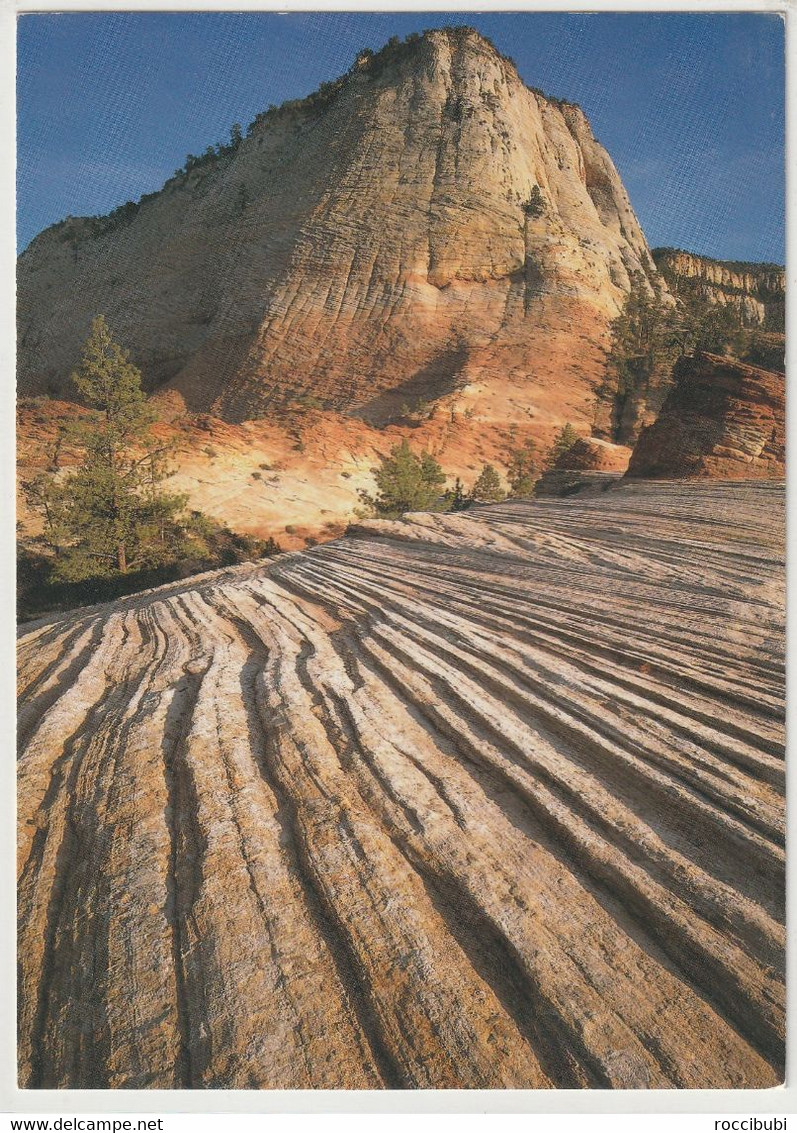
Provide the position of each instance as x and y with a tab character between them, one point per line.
422	226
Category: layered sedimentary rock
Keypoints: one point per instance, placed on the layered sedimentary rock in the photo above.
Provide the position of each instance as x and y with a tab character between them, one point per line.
756	291
591	454
426	224
723	419
491	799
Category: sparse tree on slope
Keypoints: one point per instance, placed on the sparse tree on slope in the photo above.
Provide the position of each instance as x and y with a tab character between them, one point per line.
488	488
564	441
456	498
522	469
405	482
110	514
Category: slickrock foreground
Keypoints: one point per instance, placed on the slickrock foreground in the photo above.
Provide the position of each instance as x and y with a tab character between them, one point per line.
483	800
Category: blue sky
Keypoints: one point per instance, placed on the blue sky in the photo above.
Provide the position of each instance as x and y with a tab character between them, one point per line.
689	105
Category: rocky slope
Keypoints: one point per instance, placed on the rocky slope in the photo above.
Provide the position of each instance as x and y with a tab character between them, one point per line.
492	799
723	419
292	479
374	246
756	291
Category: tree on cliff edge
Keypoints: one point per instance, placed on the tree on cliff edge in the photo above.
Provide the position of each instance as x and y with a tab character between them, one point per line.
109	515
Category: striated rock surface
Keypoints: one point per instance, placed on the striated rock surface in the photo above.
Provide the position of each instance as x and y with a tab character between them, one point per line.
483	800
375	245
756	291
565	482
723	419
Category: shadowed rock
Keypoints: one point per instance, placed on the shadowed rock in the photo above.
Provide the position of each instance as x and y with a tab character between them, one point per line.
590	454
723	419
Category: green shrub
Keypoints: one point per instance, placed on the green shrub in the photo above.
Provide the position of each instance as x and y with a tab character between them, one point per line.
564	441
405	482
535	205
522	468
488	488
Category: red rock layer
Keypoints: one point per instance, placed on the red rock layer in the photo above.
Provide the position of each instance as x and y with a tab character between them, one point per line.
723	420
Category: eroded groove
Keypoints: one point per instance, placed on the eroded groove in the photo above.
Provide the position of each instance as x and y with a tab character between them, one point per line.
488	799
186	843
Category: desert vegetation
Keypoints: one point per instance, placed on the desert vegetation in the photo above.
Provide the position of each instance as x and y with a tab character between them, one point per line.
649	335
407	481
109	526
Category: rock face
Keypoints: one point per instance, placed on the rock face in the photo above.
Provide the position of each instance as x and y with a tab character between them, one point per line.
483	800
756	291
723	419
375	245
590	454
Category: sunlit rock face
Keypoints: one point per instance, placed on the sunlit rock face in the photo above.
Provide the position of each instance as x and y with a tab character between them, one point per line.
490	799
756	291
427	225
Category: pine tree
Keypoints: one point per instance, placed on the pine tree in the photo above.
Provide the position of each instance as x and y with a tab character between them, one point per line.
405	482
456	498
488	488
564	441
535	205
646	336
522	469
110	514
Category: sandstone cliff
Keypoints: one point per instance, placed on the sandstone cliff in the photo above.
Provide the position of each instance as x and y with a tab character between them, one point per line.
483	800
723	419
375	245
756	291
